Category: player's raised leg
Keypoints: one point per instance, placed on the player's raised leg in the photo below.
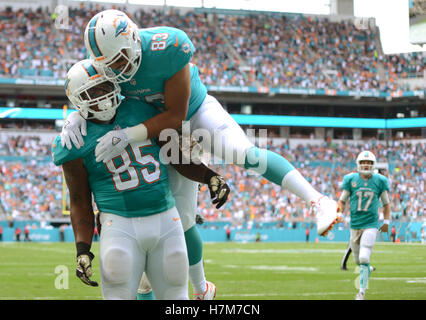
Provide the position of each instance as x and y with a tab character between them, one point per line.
229	142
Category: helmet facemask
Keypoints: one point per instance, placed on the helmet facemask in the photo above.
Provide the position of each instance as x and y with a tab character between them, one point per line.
128	62
366	167
123	66
366	163
98	101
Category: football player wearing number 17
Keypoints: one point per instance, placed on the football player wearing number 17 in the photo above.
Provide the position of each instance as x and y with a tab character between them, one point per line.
364	189
153	65
141	228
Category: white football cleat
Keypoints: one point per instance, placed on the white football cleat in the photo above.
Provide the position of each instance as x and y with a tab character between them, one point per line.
360	296
326	215
209	294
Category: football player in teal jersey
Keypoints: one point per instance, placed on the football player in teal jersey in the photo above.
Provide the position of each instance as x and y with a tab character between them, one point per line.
140	226
153	65
364	189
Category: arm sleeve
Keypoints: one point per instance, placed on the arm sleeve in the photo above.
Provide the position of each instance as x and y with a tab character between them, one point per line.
344	196
385	197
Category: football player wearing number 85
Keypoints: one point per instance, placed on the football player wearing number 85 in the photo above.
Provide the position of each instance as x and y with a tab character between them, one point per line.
141	227
364	189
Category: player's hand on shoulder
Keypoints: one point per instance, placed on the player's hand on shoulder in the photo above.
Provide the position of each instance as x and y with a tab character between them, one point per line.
219	190
84	264
111	145
73	130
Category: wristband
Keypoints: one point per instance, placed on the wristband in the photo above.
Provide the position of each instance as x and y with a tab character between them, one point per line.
386	221
83	248
208	175
137	133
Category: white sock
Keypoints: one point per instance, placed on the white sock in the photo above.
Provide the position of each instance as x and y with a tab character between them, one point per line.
297	184
197	277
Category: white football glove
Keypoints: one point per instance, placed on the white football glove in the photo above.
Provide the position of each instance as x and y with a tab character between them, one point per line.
73	130
111	145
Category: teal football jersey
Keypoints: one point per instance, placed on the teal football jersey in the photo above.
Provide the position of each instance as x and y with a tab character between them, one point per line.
365	198
165	51
143	188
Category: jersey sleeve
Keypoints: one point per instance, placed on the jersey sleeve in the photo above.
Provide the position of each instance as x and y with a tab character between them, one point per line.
181	51
61	154
346	184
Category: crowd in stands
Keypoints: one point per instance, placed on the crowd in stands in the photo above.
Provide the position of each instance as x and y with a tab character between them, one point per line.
30	190
31	45
405	65
253	50
33	190
24	146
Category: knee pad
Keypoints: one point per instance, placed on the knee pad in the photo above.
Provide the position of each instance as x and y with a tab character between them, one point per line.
116	265
175	262
364	255
368	239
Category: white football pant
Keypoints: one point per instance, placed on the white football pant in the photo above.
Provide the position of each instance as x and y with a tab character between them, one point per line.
210	120
185	192
154	244
221	134
362	243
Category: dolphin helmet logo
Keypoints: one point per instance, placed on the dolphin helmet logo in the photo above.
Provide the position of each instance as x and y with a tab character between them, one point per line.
121	27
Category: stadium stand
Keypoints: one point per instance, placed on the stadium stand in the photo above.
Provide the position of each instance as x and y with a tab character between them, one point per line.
267	50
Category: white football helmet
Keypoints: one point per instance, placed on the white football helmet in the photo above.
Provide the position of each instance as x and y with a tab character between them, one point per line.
91	92
112	38
366	168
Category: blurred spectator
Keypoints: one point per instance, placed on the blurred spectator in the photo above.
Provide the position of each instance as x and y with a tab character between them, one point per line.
393	234
18	234
27	232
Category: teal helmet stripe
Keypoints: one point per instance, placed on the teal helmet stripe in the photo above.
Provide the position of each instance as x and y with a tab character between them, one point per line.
91	71
67	81
92	38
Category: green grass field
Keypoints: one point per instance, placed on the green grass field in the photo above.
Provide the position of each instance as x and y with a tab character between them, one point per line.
271	271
